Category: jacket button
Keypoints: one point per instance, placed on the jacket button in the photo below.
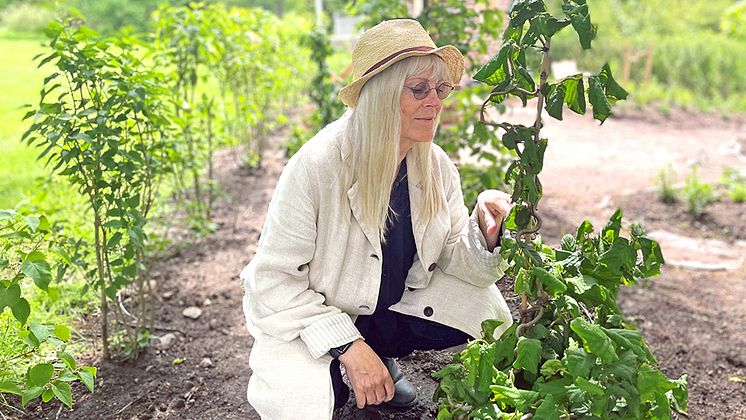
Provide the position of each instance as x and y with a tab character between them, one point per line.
374	256
431	268
428	311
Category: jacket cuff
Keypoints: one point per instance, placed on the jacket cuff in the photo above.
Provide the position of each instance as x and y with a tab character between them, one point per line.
491	260
328	332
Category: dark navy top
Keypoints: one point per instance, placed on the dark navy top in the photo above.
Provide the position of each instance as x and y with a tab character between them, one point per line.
398	255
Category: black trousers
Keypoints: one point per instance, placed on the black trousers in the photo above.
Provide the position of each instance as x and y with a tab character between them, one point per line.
391	334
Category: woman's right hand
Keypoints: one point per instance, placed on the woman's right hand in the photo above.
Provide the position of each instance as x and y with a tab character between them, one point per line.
370	379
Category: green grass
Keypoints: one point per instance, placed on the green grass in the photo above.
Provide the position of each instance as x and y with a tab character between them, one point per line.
20	84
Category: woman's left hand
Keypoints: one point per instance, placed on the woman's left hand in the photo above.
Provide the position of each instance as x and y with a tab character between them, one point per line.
493	206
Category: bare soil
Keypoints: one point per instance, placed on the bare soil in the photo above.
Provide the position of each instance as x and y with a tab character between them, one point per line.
694	321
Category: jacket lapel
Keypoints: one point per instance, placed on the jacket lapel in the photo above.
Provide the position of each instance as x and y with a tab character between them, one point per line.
414	182
436	229
356	207
353	196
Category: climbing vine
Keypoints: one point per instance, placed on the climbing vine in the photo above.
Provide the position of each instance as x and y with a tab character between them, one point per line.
570	354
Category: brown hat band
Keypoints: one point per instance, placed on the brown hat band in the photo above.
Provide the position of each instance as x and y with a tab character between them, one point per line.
394	55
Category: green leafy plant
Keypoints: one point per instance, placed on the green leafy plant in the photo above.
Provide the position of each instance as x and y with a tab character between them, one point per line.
697	194
570	354
101	123
323	91
229	86
664	183
672	53
41	367
735	183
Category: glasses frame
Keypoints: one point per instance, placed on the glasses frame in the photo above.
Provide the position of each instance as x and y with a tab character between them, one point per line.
443	90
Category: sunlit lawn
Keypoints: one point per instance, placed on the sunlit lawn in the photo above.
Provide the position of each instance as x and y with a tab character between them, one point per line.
20	84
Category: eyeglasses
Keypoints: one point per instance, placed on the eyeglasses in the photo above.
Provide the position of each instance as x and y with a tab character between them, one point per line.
422	89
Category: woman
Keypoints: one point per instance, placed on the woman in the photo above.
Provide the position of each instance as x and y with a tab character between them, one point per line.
368	252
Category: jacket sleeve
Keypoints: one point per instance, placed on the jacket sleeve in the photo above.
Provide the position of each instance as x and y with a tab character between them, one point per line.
465	253
278	299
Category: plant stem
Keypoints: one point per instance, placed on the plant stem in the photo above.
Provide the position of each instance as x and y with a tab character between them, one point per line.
100	265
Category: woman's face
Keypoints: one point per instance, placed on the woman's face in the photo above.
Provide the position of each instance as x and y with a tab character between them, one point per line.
419	116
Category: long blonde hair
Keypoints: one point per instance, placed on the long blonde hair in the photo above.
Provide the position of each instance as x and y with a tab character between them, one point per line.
374	133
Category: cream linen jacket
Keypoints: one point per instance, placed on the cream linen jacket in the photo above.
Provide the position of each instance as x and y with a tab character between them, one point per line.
317	267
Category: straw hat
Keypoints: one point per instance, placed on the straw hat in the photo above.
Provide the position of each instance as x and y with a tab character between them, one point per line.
391	41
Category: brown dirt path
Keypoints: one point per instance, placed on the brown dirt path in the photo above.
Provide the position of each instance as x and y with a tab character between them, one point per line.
693	321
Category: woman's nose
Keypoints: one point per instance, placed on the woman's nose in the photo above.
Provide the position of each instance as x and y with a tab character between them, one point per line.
432	99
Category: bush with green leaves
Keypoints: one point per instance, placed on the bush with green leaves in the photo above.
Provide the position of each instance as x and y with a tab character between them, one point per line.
323	92
694	63
570	354
664	183
735	184
26	16
38	364
697	194
232	73
101	123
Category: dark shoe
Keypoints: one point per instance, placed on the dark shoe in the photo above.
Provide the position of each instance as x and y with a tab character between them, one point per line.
405	394
341	390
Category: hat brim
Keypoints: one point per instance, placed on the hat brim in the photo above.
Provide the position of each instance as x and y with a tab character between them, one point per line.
451	56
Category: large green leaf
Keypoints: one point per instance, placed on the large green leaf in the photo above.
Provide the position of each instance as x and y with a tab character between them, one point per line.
39	271
625	369
579	362
616	262
10	387
68	359
611	87
680	393
631	340
519	398
551	367
21	310
9	296
39	375
505	349
552	284
577	11
575	93
29	394
595	340
652	382
487	370
496	70
580	284
555	100
528	354
591	388
523	10
63	392
597	98
547	410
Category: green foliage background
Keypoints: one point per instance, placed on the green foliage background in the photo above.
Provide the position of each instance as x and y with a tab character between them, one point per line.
699	50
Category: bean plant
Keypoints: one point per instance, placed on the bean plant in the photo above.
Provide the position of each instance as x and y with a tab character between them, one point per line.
570	354
323	92
31	253
229	85
182	36
697	194
101	124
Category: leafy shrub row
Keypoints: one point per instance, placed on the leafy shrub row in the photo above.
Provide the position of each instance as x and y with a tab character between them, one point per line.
121	131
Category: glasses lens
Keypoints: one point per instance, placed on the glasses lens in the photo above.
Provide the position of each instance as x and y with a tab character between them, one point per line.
420	90
444	89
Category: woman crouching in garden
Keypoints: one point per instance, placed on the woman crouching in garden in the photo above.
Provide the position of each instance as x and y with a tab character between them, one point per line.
368	251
